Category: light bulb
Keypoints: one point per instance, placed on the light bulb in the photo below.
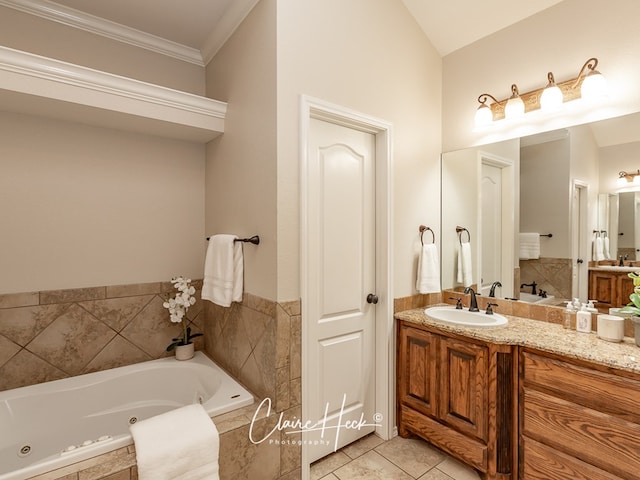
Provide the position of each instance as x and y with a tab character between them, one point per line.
594	86
551	98
484	116
515	106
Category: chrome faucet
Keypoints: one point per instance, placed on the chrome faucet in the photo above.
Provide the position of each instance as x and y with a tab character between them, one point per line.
473	302
492	292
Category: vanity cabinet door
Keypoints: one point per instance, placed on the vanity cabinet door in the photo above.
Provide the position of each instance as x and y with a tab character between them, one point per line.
417	370
603	289
463	394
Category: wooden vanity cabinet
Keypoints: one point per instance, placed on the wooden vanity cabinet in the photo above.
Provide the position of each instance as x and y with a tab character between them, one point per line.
577	421
458	394
610	289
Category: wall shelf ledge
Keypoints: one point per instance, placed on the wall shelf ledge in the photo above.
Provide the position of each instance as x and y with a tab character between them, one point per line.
37	85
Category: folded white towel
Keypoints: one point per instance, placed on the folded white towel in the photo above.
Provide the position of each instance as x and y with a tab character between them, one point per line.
605	248
465	271
529	246
598	249
428	280
223	271
181	444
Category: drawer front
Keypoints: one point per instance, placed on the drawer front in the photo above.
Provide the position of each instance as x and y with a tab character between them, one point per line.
543	463
598	390
602	440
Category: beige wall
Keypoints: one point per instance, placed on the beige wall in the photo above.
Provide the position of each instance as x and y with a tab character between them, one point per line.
241	164
559	39
33	34
370	56
84	206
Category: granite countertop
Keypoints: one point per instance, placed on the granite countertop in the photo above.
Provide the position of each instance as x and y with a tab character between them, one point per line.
544	336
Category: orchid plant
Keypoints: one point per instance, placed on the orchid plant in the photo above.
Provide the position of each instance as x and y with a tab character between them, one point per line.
178	307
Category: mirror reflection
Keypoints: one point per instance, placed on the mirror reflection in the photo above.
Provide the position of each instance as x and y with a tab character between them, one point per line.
549	215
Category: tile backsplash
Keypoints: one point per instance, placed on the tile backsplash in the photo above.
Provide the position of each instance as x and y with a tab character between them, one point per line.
61	333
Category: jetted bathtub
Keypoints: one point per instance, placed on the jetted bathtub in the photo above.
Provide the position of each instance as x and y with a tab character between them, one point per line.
50	425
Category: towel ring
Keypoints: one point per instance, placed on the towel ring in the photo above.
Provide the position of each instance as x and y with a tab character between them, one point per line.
597	233
422	230
459	231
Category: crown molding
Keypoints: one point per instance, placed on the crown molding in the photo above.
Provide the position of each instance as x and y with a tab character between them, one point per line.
233	16
71	92
106	28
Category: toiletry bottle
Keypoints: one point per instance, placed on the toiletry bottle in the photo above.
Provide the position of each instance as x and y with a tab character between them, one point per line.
592	308
583	319
567	315
576	304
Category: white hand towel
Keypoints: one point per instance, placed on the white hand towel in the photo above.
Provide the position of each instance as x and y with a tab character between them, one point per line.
605	248
223	271
465	272
181	444
598	249
529	246
428	280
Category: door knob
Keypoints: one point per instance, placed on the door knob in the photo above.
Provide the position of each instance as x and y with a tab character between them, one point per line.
580	260
371	298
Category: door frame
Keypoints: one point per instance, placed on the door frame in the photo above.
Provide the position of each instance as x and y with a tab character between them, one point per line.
579	237
507	220
311	107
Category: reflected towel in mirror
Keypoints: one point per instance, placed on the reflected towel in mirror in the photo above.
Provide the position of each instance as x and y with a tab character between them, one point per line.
465	272
529	246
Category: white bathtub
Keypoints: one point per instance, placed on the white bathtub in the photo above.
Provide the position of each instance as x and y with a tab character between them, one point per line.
44	427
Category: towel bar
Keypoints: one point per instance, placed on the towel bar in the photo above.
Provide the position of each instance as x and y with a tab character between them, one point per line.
255	240
422	229
547	235
459	231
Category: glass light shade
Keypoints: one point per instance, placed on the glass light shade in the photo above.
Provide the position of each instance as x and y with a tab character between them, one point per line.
484	116
594	86
551	98
514	108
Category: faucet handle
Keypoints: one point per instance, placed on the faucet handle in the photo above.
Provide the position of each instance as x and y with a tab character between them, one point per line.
458	302
490	309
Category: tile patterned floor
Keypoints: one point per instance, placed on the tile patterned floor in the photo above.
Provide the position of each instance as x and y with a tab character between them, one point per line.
371	458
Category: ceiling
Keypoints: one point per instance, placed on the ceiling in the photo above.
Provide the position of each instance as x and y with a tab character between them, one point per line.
449	24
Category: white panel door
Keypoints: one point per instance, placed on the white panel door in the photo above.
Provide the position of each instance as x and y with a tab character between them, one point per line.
491	227
341	251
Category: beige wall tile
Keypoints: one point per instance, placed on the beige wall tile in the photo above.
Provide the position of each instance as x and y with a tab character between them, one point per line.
13	300
118	353
23	324
116	312
72	340
25	368
72	295
135	289
7	349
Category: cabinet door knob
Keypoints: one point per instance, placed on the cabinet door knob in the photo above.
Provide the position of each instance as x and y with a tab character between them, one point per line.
580	260
371	298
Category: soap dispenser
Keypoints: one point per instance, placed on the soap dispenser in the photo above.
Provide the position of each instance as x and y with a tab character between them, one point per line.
583	319
567	314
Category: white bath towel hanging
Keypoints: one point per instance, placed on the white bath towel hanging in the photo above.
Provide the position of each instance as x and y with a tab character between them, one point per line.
598	249
181	444
605	248
529	246
465	271
428	280
223	271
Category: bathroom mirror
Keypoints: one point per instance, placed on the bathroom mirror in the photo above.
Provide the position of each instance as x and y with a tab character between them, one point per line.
549	171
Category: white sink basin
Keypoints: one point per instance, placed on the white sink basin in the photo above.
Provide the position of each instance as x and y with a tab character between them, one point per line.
465	317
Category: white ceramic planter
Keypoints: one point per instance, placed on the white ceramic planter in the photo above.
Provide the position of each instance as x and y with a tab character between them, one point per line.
185	352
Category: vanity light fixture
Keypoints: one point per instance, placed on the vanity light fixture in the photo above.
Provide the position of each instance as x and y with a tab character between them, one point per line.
628	177
589	84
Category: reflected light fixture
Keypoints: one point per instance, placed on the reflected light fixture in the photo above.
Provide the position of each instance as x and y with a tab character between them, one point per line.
624	178
590	85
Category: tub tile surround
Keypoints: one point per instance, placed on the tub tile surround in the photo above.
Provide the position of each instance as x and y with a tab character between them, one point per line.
56	334
551	274
259	342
